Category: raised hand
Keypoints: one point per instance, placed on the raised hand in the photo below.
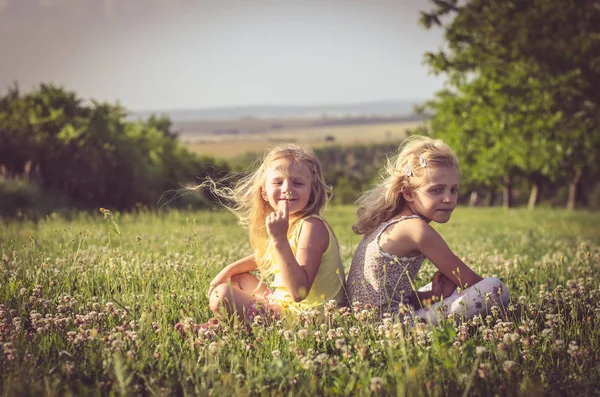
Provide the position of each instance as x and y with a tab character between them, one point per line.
277	222
442	285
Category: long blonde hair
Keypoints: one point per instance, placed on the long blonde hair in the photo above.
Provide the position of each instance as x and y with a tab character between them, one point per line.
244	199
385	200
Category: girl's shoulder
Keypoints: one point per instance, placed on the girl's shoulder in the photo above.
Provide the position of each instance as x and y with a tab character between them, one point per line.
311	219
411	226
398	238
404	222
312	230
312	223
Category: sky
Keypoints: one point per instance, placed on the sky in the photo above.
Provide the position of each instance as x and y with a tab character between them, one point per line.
186	54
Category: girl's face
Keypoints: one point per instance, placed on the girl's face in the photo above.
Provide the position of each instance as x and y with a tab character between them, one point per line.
286	179
436	196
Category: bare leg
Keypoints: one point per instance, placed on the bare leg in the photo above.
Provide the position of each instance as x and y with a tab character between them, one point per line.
249	283
235	297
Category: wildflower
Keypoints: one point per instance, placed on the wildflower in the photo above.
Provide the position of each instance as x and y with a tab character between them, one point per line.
322	358
376	384
573	349
559	344
488	334
479	350
483	371
420	328
339	343
302	333
276	353
331	334
330	307
508	366
317	335
495	311
69	368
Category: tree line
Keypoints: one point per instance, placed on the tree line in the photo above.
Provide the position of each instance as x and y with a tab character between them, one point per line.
90	153
521	101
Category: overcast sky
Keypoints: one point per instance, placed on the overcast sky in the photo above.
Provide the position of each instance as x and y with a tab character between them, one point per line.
169	54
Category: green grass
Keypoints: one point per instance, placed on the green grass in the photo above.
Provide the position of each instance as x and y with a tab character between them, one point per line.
86	311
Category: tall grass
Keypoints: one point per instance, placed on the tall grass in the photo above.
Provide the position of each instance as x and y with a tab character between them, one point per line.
87	311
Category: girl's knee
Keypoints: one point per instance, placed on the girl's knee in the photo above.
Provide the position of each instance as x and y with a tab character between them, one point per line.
217	296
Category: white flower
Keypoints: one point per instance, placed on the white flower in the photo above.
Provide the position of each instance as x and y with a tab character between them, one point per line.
376	384
509	365
302	333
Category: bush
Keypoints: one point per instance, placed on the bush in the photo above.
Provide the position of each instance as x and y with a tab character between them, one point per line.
22	198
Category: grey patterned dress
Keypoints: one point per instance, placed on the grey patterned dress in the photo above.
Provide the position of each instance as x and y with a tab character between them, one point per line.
378	278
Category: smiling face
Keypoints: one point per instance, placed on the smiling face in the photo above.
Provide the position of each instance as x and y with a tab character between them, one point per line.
286	179
436	195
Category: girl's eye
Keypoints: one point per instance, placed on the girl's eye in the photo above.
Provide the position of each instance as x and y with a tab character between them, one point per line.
297	183
277	183
454	190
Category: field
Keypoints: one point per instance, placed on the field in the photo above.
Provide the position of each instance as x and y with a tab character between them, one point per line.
232	145
85	310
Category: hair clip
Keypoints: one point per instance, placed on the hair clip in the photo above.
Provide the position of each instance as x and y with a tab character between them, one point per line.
422	161
407	170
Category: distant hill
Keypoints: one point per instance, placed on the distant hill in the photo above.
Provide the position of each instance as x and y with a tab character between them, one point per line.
390	108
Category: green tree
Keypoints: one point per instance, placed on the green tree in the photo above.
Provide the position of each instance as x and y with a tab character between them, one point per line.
90	152
524	74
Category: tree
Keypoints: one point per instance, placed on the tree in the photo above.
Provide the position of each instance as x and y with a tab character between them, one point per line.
524	73
90	152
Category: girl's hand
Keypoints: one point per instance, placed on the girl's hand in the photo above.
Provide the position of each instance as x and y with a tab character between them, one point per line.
278	222
221	278
441	285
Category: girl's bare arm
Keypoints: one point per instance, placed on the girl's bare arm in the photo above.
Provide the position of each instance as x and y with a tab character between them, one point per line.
432	245
298	273
244	265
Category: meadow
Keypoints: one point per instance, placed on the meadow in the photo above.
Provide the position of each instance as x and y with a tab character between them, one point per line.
233	145
88	305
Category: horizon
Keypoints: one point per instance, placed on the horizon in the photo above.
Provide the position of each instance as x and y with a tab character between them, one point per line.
286	105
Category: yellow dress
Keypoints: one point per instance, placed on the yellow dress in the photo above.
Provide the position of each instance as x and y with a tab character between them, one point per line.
329	281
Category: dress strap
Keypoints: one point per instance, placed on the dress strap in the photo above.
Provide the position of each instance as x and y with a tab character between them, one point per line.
391	222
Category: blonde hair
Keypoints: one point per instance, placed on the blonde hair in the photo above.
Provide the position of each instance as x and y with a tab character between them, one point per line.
385	200
244	199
